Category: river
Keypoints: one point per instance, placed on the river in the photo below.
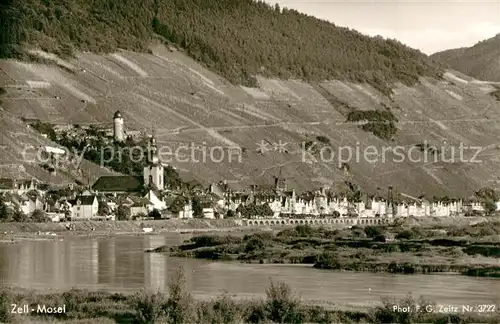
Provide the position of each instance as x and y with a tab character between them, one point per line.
120	264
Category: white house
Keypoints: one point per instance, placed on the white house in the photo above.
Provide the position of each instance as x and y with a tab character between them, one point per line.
186	212
208	212
155	200
84	207
140	206
26	203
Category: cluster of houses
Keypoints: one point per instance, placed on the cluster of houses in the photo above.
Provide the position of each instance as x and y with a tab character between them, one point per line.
142	195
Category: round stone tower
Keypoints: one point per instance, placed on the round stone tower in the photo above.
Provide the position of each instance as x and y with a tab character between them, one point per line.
118	132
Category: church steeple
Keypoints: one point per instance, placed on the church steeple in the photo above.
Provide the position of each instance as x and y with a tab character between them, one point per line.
280	182
153	172
153	151
153	158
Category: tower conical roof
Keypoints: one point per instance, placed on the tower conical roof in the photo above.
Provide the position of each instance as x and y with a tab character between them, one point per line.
117	114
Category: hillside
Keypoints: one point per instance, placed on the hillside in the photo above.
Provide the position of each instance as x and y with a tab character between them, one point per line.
236	38
187	103
481	61
194	87
22	155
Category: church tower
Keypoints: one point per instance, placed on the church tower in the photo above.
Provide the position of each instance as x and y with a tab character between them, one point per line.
153	172
280	183
118	133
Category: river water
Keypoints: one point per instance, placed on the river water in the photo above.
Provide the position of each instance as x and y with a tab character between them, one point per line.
120	264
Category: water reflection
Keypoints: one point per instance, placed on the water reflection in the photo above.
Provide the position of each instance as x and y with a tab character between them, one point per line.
120	264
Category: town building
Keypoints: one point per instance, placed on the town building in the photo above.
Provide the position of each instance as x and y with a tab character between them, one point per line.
19	186
84	207
27	203
152	177
137	205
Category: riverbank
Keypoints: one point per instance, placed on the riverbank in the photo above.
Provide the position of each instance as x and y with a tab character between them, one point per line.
472	250
281	305
12	232
15	232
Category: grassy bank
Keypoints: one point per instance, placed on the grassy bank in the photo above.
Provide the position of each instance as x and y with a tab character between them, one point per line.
281	305
465	249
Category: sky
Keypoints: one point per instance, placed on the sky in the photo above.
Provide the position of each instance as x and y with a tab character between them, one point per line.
430	26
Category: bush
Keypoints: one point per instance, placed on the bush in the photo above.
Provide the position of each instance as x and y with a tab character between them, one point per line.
358	233
230	214
327	260
180	302
373	231
323	139
214	240
149	307
379	238
255	243
304	230
405	235
38	216
226	311
381	123
386	313
123	212
5	307
281	305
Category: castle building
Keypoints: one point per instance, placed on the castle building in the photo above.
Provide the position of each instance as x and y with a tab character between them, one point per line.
153	172
118	132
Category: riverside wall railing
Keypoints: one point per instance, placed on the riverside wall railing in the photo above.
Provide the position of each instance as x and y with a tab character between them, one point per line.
348	221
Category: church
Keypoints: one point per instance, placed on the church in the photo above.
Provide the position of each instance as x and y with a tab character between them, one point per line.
151	179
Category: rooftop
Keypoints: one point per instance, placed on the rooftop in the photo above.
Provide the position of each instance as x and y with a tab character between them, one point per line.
84	200
118	184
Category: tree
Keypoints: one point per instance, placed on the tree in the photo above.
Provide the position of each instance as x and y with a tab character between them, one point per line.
103	209
488	198
4	212
490	207
171	178
265	210
487	194
19	216
155	213
353	193
39	216
123	212
253	209
197	208
178	204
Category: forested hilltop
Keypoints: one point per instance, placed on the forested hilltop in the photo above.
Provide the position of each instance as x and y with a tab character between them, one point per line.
236	38
479	61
